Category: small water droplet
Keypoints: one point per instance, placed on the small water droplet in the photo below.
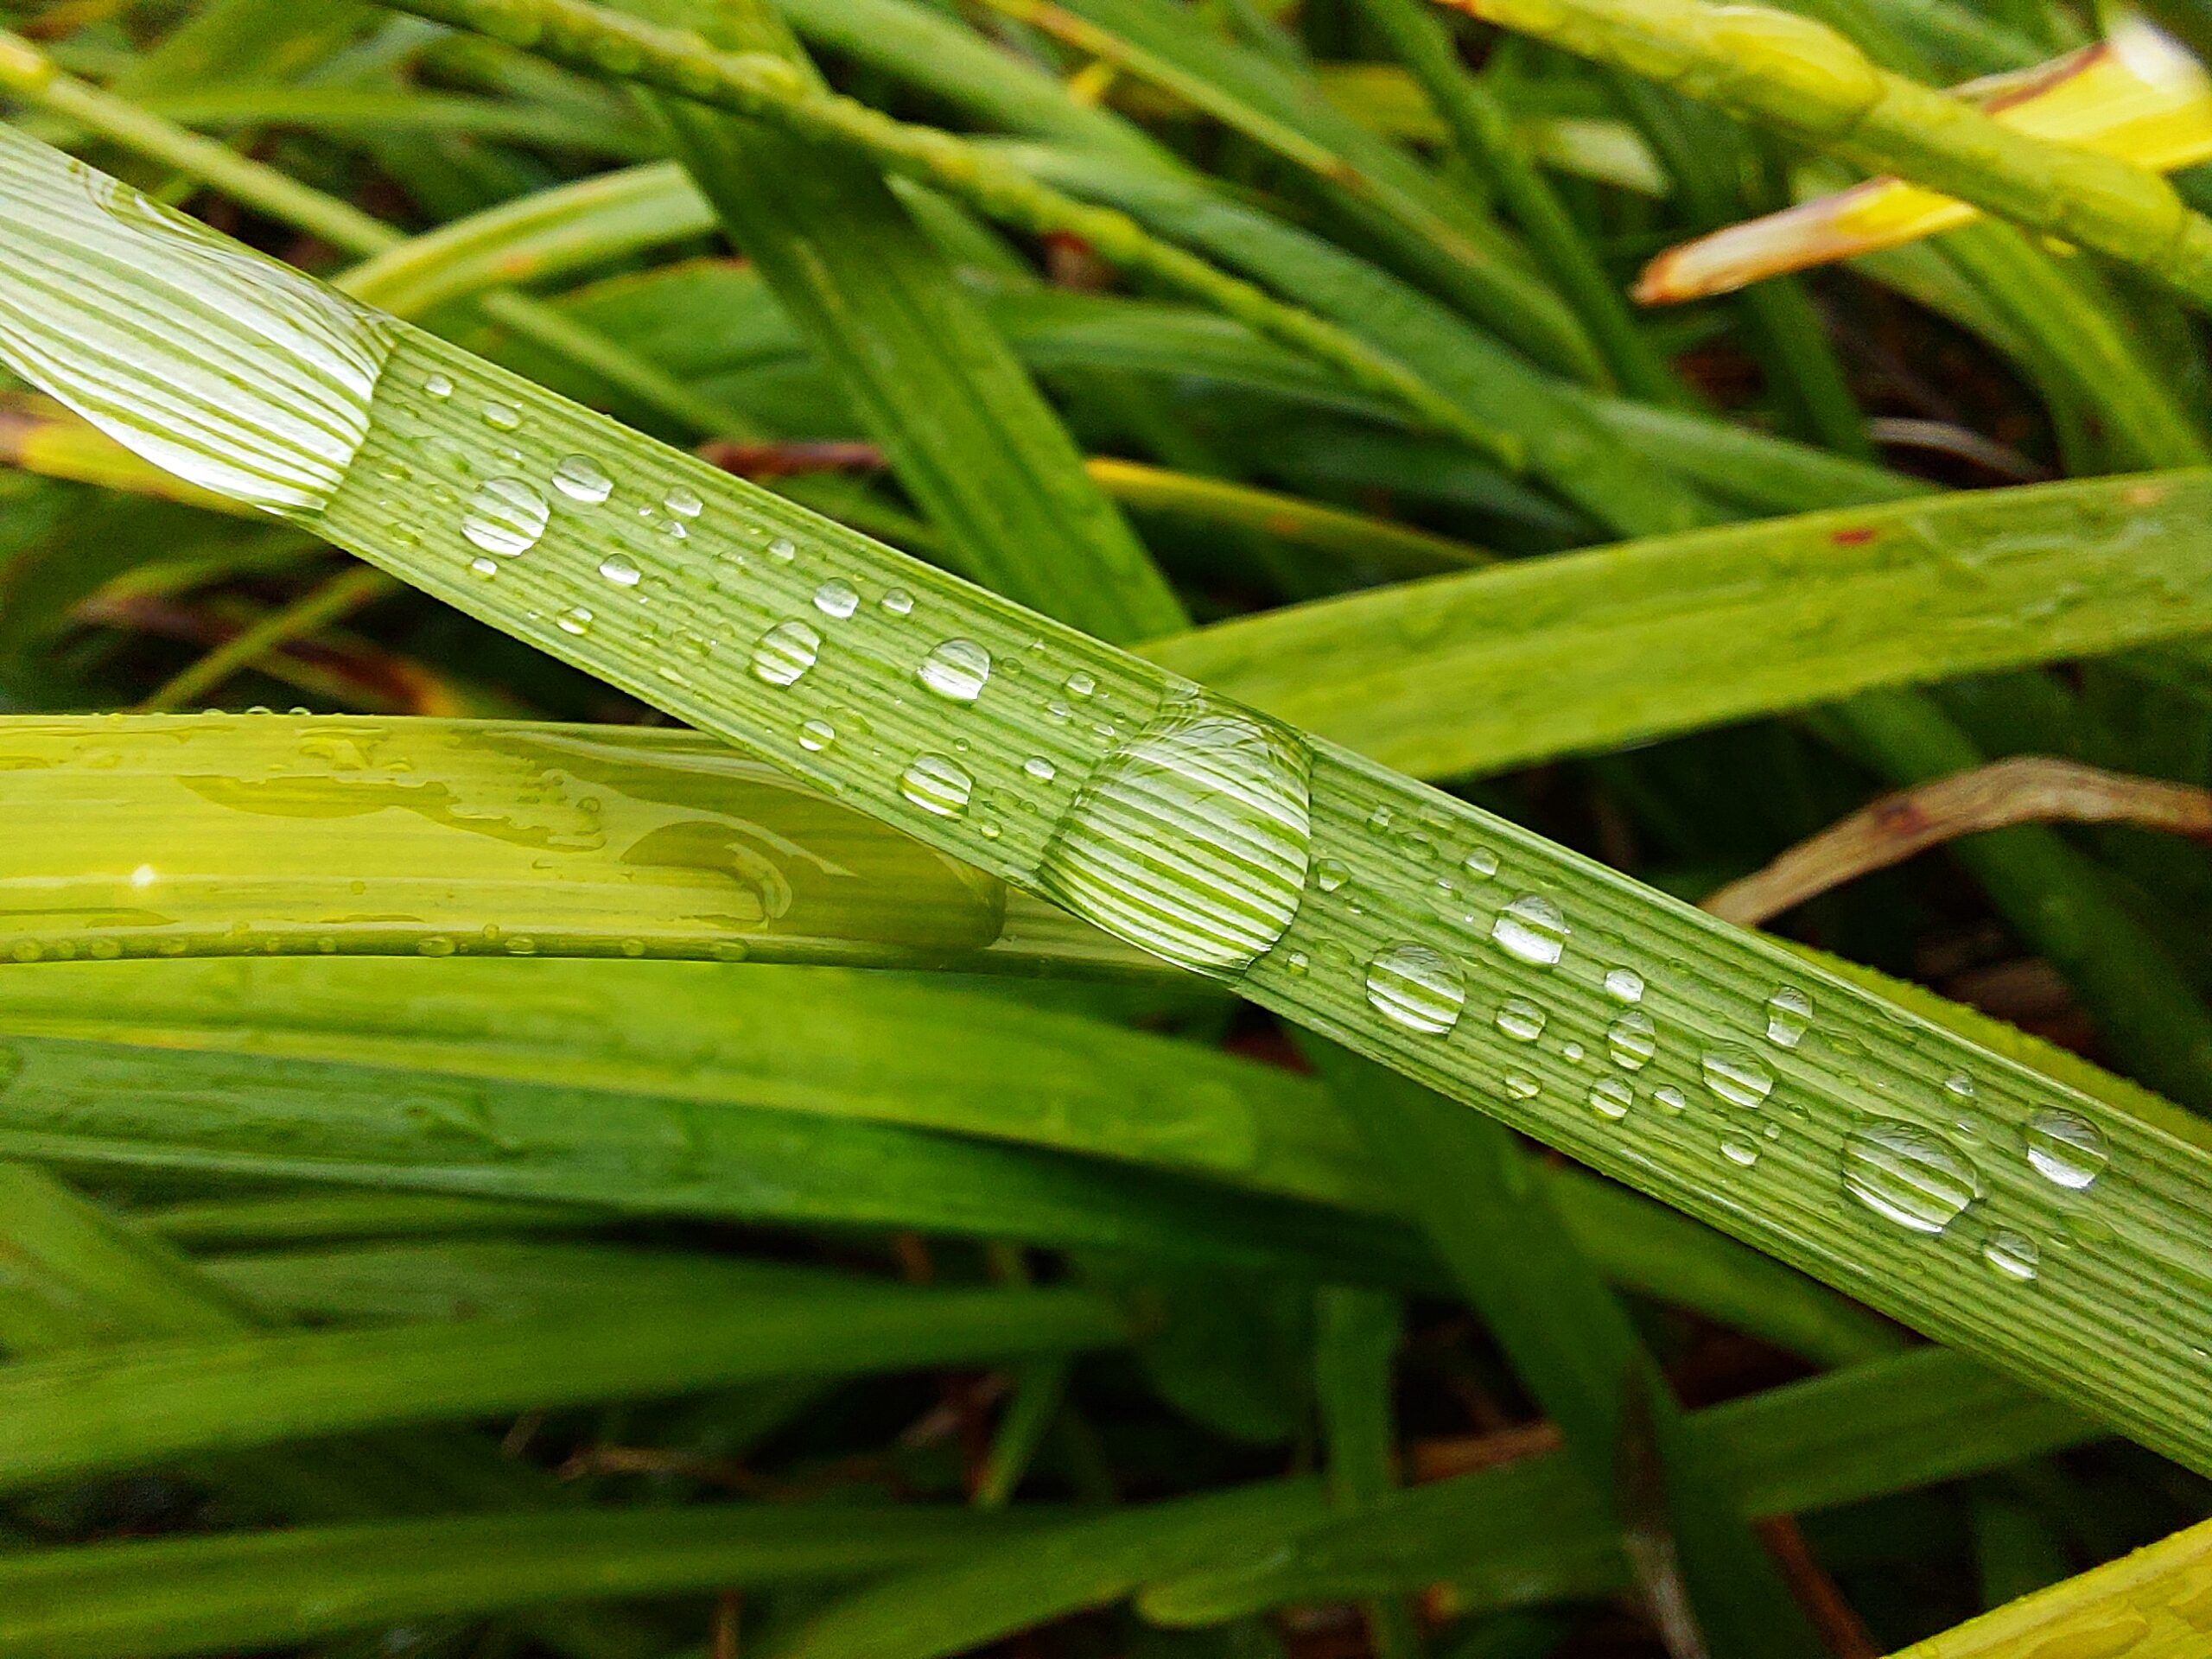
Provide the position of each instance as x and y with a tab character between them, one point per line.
1416	987
1611	1097
817	735
837	599
956	670
619	571
1296	965
684	503
1632	1040
1671	1098
506	515
1959	1084
1080	684
436	945
581	479
1380	820
1522	1085
1481	863
1531	929
1738	1075
1739	1148
439	386
574	620
1521	1020
505	417
1330	874
2066	1150
1573	1050
1789	1015
786	652
898	601
1038	767
938	784
1059	713
1624	984
484	567
783	550
672	529
1908	1174
2013	1253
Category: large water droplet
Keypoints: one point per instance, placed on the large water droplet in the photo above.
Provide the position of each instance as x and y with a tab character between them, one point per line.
211	361
1417	987
956	670
2013	1253
836	599
1038	767
574	620
1523	1086
1191	839
897	601
1671	1098
2066	1150
1739	1148
581	479
1624	984
1521	1020
619	571
439	386
684	502
1788	1014
938	783
786	652
1632	1040
1080	684
503	416
1611	1097
1738	1075
506	517
1908	1174
816	735
1481	863
1532	929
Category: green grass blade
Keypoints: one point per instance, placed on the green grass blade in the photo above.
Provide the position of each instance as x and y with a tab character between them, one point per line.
1355	1350
1528	918
247	1222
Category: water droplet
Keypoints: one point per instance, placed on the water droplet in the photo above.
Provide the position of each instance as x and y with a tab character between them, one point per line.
2066	1150
619	571
1908	1174
817	735
1482	864
1624	984
898	601
1191	840
1671	1098
837	599
574	620
505	417
683	502
439	386
1330	874
1521	1020
1788	1014
786	652
437	945
581	479
484	567
938	784
672	529
1959	1084
1739	1148
783	550
1632	1040
1038	767
1532	929
1295	965
1417	987
1522	1085
1080	684
506	517
1573	1052
2013	1253
956	670
1738	1075
1611	1097
1059	713
1380	820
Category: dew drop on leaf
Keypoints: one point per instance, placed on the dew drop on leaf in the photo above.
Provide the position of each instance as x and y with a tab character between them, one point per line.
1738	1075
786	652
2013	1253
1788	1014
956	670
1521	1020
836	599
2066	1150
1909	1175
1532	929
1611	1097
684	502
937	783
581	479
1624	985
619	571
1417	987
506	516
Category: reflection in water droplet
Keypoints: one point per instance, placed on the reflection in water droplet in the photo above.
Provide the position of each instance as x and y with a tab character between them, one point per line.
1329	874
1080	684
1532	929
1521	1085
506	517
1191	839
1482	864
505	417
574	620
1038	767
2013	1253
1671	1098
1624	984
1739	1148
786	652
938	784
619	571
1632	1040
898	601
956	670
817	735
2066	1150
581	479
1521	1020
1611	1097
1416	987
1738	1075
1788	1013
439	386
1908	1174
837	599
683	502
